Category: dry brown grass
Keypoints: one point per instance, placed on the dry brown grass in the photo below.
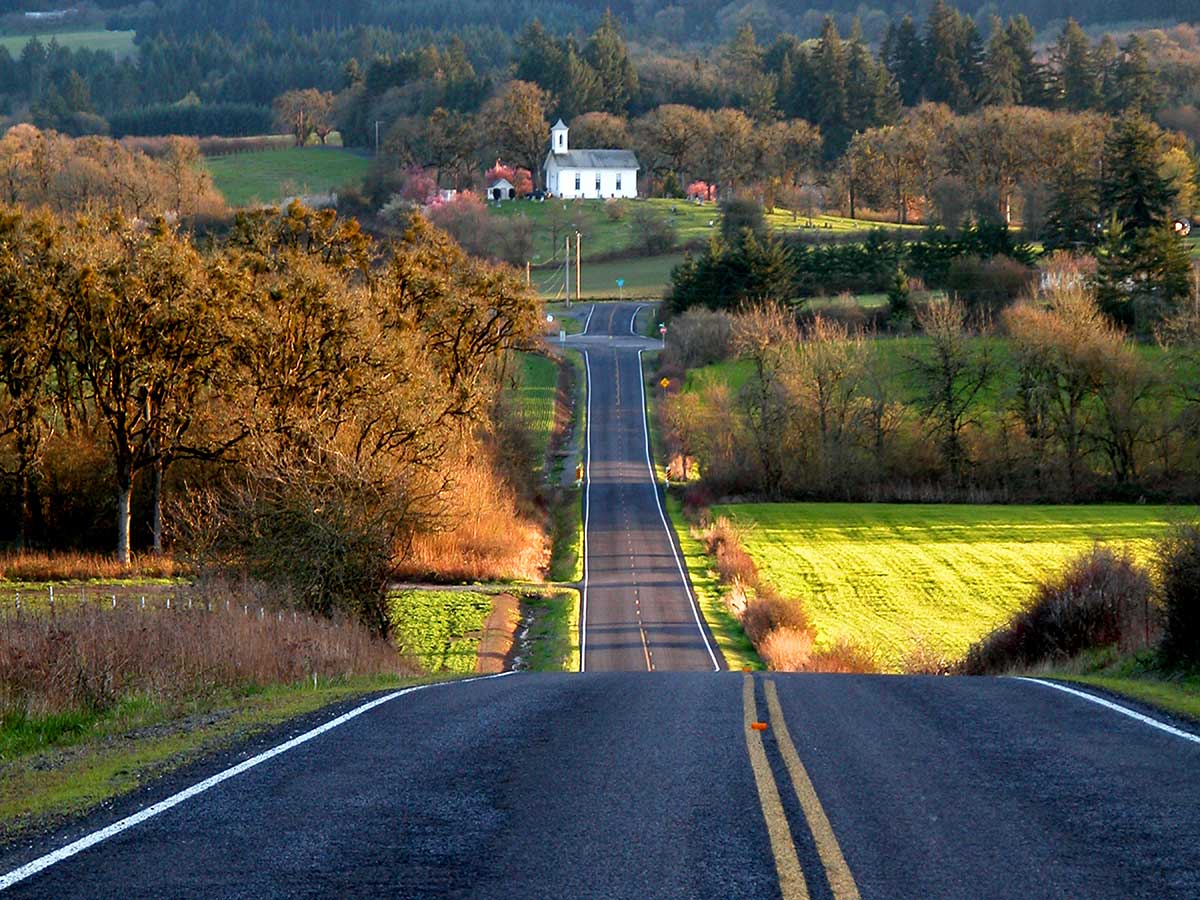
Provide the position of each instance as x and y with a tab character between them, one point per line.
787	649
490	541
89	658
32	565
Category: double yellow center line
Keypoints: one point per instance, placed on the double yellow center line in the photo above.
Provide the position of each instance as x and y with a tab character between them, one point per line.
792	884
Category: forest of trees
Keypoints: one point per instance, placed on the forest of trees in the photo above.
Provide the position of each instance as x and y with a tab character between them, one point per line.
839	74
292	385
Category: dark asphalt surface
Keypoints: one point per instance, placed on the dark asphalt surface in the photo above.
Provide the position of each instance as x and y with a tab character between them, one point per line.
634	785
638	614
627	784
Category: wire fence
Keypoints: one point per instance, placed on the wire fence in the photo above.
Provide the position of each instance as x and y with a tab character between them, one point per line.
53	600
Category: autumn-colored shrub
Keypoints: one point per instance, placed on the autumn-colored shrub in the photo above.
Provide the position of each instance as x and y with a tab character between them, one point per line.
1100	600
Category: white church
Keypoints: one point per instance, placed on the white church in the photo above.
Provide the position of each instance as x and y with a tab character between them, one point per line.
588	174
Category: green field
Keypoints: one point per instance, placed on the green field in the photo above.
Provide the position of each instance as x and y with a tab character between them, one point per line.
268	176
440	629
117	42
603	235
891	576
539	390
645	277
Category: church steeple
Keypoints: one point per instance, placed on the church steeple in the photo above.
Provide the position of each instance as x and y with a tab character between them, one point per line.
558	138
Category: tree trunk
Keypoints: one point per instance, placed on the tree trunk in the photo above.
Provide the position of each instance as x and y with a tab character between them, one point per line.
156	517
23	509
124	502
851	190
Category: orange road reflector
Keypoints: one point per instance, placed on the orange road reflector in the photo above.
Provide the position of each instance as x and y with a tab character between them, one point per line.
745	668
759	726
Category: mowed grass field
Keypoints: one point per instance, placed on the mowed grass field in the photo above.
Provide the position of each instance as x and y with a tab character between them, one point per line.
605	235
117	42
644	277
891	577
268	176
538	393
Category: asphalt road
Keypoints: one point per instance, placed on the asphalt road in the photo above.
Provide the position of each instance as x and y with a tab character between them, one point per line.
633	785
673	784
638	613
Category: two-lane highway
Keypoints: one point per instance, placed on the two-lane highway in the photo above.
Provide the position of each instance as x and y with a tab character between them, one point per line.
638	611
676	784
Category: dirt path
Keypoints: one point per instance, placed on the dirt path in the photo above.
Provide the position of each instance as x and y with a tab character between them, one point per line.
499	633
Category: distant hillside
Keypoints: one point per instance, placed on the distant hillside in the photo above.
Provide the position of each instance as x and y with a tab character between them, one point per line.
671	20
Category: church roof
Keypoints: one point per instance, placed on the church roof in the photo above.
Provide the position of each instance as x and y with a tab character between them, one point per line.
560	124
596	159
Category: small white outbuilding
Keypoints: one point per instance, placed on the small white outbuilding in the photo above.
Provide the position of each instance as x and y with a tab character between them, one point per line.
501	189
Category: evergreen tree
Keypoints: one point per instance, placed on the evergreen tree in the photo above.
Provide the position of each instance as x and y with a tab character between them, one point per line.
1032	74
607	55
1133	190
904	56
1135	88
944	47
830	89
1002	70
1074	210
1078	84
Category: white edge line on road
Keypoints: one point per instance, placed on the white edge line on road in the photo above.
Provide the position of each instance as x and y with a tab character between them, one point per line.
587	507
633	320
44	862
588	321
1115	707
663	517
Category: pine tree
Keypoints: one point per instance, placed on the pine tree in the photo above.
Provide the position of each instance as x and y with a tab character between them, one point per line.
1133	190
830	90
904	57
606	53
1077	80
1032	74
1002	70
944	82
1074	210
1135	88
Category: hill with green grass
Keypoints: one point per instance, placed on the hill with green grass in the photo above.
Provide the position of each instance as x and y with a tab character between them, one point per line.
267	176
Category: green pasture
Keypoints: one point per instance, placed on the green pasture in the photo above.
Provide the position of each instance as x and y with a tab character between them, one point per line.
267	176
892	577
605	233
119	43
538	392
644	277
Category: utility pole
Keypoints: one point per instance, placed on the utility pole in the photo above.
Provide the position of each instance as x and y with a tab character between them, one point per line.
528	275
567	270
578	284
376	137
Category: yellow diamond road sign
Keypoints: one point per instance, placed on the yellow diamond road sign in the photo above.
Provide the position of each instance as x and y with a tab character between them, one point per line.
665	383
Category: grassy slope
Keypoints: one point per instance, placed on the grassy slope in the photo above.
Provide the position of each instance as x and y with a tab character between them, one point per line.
553	633
117	42
645	277
736	647
603	235
539	390
267	176
889	575
1180	696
